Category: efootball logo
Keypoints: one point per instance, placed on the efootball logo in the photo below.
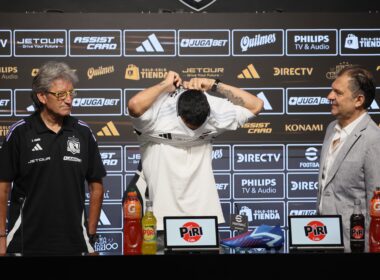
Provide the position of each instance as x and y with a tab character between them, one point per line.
315	231
191	232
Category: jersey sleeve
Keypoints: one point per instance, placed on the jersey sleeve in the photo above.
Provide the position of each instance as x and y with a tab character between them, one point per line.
147	121
227	116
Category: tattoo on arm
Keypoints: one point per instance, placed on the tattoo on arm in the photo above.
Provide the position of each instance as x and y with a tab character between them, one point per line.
231	97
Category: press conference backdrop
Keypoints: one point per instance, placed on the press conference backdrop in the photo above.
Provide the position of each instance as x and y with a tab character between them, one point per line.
268	168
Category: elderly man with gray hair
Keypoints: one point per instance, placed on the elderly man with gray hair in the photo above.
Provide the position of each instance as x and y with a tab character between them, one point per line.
48	156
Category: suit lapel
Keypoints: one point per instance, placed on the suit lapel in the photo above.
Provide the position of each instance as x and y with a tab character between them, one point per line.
350	141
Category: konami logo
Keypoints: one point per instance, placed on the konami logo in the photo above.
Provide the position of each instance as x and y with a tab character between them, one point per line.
191	232
315	231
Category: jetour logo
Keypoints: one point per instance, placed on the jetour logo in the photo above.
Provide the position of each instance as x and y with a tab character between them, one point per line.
191	232
315	231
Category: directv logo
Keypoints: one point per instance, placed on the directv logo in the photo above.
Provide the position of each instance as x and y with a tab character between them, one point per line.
150	45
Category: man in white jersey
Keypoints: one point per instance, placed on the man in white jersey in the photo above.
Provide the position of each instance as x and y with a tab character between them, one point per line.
175	129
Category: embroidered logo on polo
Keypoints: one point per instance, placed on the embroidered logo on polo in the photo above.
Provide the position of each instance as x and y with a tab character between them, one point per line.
73	145
37	147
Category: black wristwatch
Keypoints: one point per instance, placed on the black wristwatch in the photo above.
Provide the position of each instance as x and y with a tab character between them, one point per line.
215	85
93	238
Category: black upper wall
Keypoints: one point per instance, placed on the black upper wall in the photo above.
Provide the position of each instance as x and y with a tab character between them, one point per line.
219	6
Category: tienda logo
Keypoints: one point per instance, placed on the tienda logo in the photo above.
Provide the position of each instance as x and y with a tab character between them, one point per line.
191	232
315	231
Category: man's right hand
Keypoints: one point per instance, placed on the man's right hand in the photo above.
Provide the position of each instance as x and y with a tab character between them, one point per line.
171	81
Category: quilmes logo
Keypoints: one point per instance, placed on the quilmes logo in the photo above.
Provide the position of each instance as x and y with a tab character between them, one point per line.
95	43
315	230
40	43
255	42
249	73
191	232
153	42
197	5
99	71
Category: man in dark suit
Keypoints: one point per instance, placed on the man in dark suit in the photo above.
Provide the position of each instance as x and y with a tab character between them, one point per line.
350	159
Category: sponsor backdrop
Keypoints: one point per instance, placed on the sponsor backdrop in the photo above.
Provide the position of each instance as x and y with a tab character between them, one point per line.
268	168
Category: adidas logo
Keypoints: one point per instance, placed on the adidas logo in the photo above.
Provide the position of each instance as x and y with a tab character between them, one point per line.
103	219
108	130
150	45
249	73
267	105
37	147
374	105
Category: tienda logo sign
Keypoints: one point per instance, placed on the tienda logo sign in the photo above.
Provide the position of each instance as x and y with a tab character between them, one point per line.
315	231
191	232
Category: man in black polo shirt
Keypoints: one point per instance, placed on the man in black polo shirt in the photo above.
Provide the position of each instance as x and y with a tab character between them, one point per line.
48	156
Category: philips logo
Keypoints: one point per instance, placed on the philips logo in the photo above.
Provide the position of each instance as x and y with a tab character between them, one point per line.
202	43
311	39
258	182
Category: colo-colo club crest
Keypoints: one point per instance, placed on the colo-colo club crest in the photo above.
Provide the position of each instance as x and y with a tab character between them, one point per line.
73	145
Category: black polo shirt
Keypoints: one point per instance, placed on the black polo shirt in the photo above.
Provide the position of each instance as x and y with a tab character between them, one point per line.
48	171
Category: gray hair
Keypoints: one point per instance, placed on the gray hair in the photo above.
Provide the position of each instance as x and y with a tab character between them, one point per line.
47	74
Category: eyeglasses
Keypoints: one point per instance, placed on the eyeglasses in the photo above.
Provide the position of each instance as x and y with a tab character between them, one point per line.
63	94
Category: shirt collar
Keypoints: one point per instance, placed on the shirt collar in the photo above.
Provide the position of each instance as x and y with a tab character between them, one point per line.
37	121
347	130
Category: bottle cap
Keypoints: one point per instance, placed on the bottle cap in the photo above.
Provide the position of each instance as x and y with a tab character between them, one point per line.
149	203
132	194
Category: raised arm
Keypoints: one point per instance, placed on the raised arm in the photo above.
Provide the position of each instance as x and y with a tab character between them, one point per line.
144	99
236	95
